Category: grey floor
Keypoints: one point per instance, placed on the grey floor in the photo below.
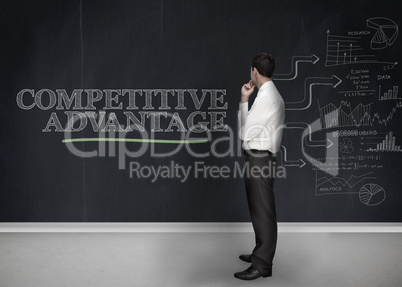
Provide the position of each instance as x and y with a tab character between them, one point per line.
196	259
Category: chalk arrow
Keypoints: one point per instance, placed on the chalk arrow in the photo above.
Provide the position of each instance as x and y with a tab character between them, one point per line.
300	163
336	81
304	104
308	141
295	67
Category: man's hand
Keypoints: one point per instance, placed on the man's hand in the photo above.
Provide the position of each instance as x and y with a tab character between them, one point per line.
246	91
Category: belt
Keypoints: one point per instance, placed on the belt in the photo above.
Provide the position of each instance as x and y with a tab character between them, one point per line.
256	151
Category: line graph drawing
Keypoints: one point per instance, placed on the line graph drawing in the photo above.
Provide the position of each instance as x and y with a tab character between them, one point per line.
344	116
385	120
350	182
345	50
333	116
372	194
336	185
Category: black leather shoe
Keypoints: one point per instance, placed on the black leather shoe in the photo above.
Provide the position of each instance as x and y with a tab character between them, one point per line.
246	258
250	274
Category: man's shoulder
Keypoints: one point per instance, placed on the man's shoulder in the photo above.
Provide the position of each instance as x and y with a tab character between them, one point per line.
270	93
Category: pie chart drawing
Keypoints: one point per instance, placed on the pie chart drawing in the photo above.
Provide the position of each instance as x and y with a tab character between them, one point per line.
386	32
346	146
371	194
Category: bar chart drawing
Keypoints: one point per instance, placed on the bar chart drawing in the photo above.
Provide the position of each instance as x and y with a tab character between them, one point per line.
388	144
390	94
346	50
340	50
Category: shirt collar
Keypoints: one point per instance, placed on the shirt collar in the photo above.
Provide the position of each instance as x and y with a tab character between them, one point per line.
265	85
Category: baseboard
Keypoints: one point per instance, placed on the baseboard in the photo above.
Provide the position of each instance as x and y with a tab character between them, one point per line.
200	227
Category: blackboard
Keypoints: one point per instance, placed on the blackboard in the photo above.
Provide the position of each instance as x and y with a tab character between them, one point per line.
76	75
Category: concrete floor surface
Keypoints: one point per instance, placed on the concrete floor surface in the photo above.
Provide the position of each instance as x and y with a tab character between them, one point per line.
197	259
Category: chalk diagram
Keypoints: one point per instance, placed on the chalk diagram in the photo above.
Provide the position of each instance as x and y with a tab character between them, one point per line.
386	32
333	116
345	50
346	146
371	194
339	185
390	94
345	116
388	144
340	166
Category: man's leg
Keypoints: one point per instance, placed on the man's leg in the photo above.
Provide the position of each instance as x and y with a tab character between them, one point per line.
261	202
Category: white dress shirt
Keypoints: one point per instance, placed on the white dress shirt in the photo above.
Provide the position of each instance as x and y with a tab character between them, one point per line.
261	127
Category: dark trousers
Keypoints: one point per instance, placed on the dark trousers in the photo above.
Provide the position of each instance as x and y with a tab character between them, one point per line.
261	203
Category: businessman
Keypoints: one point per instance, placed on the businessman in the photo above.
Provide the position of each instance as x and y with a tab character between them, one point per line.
261	128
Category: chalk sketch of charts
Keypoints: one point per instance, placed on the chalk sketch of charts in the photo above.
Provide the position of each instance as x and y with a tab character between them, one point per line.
371	194
340	185
345	50
386	32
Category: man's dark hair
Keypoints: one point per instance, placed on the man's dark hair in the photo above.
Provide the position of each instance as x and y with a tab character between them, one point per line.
264	64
